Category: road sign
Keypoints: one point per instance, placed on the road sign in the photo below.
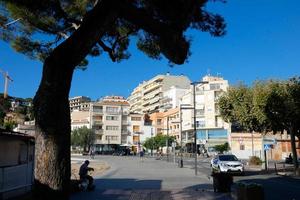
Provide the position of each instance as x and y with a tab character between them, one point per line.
173	144
267	147
270	141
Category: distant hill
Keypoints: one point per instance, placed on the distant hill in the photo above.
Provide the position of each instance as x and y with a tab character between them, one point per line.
21	108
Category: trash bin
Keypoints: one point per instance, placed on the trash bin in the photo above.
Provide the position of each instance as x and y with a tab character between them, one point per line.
222	182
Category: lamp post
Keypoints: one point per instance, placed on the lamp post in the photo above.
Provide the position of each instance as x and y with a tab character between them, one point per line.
167	141
195	128
151	141
182	107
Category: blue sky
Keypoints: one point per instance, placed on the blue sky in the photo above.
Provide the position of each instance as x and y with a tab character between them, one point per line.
262	42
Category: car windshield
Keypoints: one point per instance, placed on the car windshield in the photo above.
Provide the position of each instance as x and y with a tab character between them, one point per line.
228	158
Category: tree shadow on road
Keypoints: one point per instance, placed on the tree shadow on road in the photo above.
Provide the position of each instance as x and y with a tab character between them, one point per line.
110	189
276	188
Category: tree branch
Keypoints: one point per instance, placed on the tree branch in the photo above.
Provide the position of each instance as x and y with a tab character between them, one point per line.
172	42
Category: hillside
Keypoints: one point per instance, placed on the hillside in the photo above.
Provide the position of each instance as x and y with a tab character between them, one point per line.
19	110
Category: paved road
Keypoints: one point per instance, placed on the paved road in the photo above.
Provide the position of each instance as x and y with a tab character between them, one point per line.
276	187
132	178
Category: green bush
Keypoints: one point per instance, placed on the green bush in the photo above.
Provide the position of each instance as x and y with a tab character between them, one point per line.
254	160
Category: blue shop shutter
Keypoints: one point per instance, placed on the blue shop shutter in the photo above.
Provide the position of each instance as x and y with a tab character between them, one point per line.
217	134
201	134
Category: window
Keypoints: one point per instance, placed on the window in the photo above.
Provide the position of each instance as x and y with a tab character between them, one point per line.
111	138
214	86
112	109
136	118
158	121
242	147
136	128
200	111
112	128
113	118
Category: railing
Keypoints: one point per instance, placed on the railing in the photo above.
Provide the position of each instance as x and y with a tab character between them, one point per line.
99	131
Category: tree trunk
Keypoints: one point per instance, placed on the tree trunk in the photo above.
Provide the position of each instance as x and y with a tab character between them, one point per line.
52	157
51	104
294	151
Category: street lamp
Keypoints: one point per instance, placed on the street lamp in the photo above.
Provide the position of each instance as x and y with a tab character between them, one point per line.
182	107
151	141
195	129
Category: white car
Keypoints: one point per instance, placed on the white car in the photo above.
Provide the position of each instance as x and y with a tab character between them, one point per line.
227	164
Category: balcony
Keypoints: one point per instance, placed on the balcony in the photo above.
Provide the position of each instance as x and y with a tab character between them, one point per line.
125	132
97	122
99	132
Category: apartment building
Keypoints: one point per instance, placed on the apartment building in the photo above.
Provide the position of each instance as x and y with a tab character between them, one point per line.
211	129
147	97
76	102
171	98
171	120
139	131
135	100
113	125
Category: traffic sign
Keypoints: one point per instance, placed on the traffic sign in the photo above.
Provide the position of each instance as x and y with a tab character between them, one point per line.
267	147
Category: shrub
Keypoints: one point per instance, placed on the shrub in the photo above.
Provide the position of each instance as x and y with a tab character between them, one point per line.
254	160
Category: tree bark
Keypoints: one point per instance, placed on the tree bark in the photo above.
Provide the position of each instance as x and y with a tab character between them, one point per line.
51	104
294	151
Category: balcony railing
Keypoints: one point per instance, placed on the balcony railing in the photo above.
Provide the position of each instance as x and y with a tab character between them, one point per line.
99	132
98	122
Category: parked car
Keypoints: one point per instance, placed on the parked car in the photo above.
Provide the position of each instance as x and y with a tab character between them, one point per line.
227	164
211	151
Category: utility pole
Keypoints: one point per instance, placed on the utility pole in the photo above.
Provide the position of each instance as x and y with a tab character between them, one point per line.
167	139
151	141
195	125
6	79
195	128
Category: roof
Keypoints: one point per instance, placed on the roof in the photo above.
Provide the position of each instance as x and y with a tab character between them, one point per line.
115	103
7	133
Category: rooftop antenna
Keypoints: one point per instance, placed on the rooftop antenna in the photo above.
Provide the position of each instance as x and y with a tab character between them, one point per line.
208	72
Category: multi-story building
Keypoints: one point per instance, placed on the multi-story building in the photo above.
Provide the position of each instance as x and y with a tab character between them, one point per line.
147	97
139	131
211	129
112	123
76	102
171	98
135	99
171	120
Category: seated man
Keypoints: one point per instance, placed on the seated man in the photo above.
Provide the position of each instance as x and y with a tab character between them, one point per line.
83	173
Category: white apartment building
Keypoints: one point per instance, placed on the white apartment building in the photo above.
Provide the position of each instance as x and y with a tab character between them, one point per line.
146	98
211	129
76	102
171	98
112	123
135	100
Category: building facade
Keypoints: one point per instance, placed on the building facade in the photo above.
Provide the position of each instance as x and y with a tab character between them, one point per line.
147	97
112	123
210	127
76	102
171	98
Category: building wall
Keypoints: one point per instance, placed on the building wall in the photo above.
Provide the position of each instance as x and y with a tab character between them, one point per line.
149	93
16	165
80	119
76	102
211	129
241	145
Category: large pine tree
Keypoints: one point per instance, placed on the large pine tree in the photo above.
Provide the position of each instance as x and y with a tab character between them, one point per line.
62	33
